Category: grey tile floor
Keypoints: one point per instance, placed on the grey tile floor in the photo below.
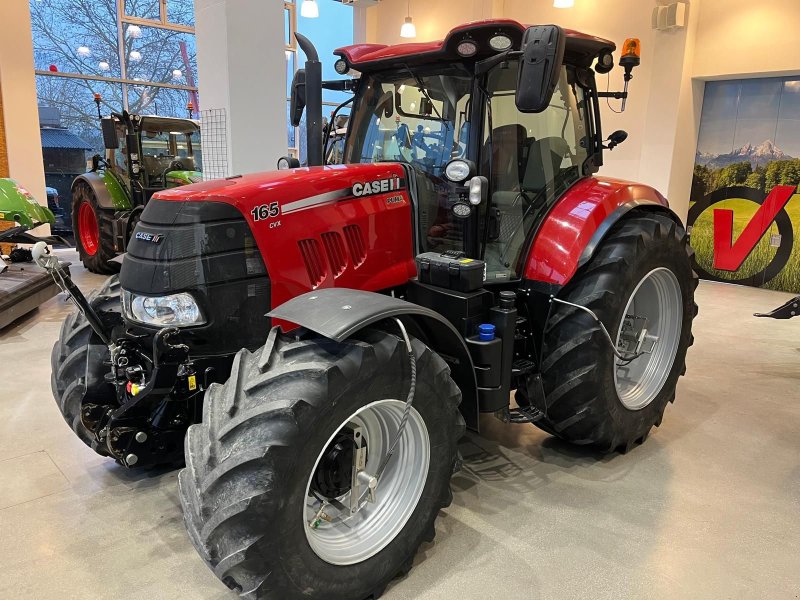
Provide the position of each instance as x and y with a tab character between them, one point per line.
709	507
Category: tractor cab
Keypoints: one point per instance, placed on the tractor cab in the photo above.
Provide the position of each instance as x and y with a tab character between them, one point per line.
169	151
489	135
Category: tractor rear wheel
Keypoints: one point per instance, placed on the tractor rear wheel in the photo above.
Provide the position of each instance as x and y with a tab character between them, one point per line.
641	285
94	231
273	458
77	362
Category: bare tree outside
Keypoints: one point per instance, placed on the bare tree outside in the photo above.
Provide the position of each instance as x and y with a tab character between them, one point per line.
81	37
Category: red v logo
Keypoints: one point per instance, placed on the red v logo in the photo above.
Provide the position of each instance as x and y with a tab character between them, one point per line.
729	256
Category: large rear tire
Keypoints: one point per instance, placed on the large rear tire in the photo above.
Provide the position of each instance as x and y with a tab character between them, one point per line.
250	464
93	229
77	359
642	268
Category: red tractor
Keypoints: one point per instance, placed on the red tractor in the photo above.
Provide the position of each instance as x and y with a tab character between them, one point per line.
313	342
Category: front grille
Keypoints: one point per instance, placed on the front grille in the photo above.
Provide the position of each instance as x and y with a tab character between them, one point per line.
207	249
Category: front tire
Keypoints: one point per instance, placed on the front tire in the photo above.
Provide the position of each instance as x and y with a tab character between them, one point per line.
591	397
93	229
77	363
245	488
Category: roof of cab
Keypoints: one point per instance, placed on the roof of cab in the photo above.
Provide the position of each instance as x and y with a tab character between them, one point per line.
581	49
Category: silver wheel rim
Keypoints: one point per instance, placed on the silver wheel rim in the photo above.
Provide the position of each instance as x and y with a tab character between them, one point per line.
658	299
374	526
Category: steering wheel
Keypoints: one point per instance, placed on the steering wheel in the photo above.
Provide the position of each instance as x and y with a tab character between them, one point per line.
174	165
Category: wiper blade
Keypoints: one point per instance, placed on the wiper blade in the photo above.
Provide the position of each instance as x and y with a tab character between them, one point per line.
422	89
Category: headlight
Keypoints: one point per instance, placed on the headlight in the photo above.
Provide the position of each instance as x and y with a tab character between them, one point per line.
179	310
500	42
458	170
467	48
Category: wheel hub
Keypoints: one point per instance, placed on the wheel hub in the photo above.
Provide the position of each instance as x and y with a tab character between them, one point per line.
332	478
650	331
348	529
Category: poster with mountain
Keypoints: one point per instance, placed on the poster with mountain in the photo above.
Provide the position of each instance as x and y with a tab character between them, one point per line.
745	206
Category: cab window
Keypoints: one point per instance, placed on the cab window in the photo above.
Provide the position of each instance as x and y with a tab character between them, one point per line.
530	158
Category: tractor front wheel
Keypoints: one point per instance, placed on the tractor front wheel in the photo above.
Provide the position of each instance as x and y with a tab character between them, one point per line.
78	362
267	490
94	231
641	285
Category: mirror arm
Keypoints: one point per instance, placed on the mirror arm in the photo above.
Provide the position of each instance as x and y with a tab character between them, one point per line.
615	95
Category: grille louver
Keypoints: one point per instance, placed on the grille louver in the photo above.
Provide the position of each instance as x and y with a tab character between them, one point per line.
334	248
315	263
355	244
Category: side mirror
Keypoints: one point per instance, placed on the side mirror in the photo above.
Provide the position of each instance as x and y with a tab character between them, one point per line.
109	129
616	138
539	67
298	98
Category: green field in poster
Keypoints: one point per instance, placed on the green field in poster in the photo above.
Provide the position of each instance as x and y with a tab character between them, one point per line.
702	240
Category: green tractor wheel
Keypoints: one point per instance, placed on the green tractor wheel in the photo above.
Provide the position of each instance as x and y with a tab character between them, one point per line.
93	229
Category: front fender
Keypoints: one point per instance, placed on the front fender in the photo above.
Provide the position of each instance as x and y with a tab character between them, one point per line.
582	217
106	188
338	313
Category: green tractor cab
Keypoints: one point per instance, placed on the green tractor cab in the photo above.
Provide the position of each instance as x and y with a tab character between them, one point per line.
143	155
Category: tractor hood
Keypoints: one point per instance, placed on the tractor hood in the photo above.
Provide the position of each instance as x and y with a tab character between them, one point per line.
333	226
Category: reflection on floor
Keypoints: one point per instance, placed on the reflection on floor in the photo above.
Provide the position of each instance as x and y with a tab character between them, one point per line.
707	508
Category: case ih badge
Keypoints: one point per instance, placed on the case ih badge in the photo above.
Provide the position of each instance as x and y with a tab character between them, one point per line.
379	186
153	238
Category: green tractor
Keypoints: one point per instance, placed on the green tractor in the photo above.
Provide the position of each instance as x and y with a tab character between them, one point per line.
143	155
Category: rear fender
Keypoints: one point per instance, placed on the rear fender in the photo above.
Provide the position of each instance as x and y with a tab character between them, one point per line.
338	313
573	230
106	188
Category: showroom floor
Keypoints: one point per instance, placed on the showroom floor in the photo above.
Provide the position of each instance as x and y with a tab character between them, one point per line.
707	508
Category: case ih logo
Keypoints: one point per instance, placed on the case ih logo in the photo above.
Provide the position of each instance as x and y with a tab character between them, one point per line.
378	186
729	255
153	238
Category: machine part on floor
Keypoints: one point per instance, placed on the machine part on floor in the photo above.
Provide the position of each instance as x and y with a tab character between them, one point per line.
21	255
275	323
269	430
18	205
787	310
22	289
159	153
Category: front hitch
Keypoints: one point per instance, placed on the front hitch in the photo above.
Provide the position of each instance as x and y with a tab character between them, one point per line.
53	266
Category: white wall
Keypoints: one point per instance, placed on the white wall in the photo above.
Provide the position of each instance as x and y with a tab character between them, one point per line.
18	86
242	69
740	38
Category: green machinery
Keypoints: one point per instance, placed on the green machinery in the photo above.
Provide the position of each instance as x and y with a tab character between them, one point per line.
22	288
143	155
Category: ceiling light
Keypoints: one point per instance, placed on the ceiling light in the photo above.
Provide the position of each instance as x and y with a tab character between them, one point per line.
83	51
104	66
136	56
134	31
309	9
563	3
408	30
177	74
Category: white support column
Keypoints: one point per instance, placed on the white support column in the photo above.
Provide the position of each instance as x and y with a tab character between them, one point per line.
242	69
18	86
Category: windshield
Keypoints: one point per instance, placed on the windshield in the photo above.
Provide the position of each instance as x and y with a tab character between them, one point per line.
410	117
169	151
